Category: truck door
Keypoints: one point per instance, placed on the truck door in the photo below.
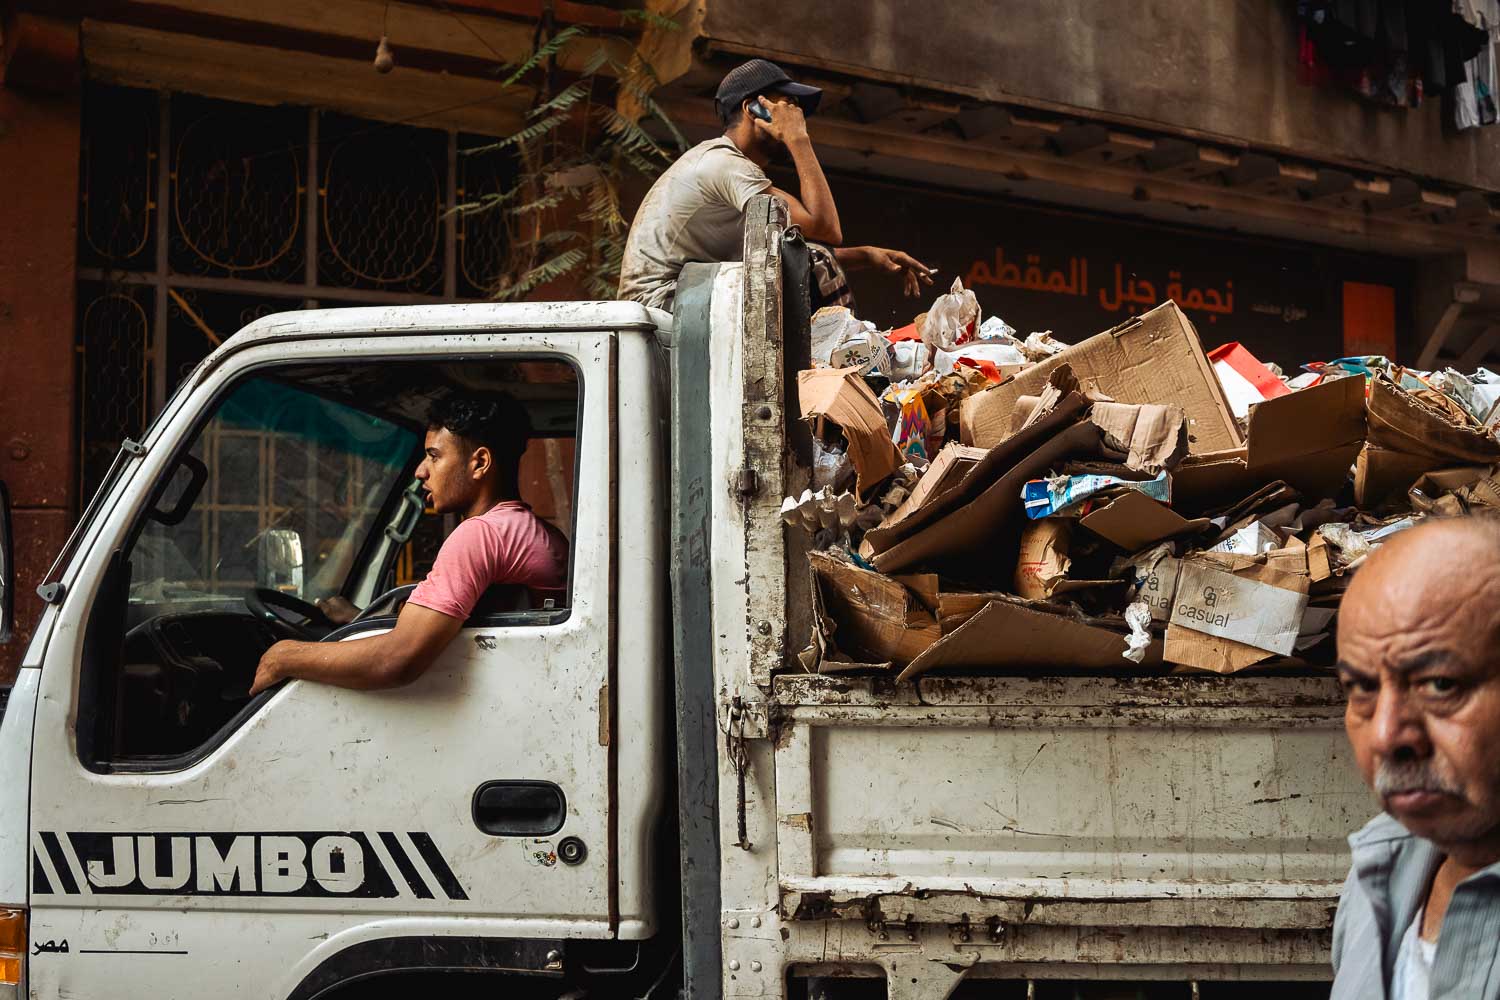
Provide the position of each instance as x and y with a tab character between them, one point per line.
188	841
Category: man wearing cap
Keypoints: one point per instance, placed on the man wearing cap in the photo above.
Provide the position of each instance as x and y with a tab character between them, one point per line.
696	210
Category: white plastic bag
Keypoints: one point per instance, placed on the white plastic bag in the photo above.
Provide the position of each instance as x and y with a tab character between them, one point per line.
999	354
952	320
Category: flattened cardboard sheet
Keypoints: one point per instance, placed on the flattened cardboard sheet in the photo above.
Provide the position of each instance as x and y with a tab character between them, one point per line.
952	464
995	463
1309	439
979	540
1008	634
869	617
1241	599
1152	358
1134	521
1187	648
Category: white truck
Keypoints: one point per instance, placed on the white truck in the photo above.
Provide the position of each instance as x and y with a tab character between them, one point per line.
635	792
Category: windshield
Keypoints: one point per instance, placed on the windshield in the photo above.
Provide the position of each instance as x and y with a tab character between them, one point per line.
294	484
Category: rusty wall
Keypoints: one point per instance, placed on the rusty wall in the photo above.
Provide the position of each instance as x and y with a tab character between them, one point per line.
39	163
1225	69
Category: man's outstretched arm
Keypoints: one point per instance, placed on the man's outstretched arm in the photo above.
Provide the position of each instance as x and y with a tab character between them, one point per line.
914	273
390	660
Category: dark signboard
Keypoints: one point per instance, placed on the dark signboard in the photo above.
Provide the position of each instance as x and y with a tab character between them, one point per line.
1077	274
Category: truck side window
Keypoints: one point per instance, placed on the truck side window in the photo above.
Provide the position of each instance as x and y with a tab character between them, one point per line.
292	489
547	473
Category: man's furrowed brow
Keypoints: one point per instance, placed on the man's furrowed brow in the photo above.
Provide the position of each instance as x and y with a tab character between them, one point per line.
1424	660
1351	672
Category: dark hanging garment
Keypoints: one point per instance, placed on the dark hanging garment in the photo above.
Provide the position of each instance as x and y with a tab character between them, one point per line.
1389	51
1438	37
1393	82
1393	33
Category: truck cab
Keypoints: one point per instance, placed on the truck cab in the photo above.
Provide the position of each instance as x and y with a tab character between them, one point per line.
170	813
630	790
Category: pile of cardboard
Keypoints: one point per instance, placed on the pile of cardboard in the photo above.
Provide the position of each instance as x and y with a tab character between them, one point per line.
1101	506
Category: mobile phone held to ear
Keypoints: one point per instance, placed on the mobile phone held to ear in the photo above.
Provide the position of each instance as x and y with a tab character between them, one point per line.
759	110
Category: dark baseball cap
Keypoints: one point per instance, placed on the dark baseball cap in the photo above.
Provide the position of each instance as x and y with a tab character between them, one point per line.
761	76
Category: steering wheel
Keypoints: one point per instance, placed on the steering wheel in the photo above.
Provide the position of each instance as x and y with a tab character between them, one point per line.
313	624
386	603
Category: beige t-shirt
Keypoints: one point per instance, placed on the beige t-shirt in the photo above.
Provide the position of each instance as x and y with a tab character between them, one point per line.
694	212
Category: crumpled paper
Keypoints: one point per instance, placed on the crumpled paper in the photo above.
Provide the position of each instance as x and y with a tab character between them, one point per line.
952	320
1138	617
1353	545
909	359
996	328
1041	346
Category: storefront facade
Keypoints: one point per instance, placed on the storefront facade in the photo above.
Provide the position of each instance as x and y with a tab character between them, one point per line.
187	167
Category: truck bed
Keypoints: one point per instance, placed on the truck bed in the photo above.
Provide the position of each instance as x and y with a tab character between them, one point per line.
1057	823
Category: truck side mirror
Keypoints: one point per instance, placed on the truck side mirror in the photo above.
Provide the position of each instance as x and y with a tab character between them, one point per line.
7	569
279	560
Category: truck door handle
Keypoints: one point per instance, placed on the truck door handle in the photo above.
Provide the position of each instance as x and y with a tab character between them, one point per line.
519	808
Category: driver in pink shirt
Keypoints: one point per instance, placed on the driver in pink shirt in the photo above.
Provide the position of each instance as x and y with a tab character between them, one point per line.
473	454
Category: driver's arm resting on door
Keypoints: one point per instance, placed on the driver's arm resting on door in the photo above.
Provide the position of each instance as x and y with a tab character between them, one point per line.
390	660
507	545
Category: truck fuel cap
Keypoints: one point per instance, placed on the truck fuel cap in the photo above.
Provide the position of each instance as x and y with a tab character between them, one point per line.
571	851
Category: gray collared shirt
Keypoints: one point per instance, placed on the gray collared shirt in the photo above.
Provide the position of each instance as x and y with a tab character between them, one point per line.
1387	885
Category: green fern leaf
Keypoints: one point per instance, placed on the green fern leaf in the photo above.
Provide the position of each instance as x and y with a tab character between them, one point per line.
546	201
597	61
532	132
545	272
542	53
651	19
565	99
629	136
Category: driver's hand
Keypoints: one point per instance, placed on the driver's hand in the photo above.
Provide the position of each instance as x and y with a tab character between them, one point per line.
338	609
266	672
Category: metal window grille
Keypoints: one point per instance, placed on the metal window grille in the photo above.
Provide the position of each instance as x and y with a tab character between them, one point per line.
199	216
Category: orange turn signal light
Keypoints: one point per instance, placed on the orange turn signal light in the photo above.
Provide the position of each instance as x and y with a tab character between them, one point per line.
12	945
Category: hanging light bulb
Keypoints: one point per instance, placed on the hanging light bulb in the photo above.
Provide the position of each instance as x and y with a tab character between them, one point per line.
384	59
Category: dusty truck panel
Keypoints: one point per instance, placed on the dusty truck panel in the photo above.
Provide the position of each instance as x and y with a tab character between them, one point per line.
1084	824
1135	801
1038	827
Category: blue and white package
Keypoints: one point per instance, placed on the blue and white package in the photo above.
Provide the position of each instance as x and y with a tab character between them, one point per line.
1063	496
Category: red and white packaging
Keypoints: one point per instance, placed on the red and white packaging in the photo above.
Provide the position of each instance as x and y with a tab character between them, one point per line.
1245	380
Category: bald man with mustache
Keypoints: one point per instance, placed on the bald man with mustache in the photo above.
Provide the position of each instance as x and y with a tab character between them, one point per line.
1419	660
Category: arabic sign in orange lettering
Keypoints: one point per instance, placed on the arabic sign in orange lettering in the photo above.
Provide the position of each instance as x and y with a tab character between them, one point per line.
1077	273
